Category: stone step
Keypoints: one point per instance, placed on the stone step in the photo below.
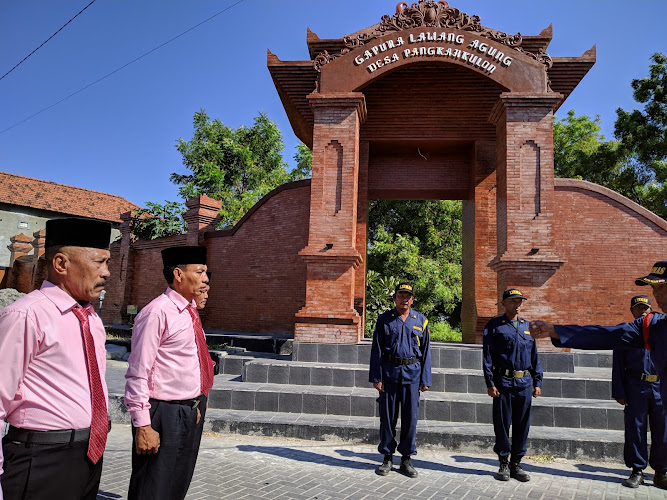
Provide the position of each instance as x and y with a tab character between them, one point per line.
231	393
579	444
270	343
444	355
232	363
585	383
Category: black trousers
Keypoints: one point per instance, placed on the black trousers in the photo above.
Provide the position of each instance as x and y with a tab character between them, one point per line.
167	474
49	471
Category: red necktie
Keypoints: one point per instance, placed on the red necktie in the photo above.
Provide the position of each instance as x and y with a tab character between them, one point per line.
99	424
205	361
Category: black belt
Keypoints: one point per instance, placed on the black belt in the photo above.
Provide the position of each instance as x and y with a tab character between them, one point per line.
642	376
47	437
512	373
192	403
400	361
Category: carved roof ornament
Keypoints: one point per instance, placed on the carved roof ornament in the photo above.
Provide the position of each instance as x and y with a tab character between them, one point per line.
430	14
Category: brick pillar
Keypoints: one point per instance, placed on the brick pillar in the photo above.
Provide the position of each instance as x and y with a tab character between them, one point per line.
38	270
362	233
480	301
203	214
526	255
332	255
119	286
20	246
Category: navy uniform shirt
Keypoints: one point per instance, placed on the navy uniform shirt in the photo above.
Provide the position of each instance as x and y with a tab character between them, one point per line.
608	337
509	347
628	363
404	340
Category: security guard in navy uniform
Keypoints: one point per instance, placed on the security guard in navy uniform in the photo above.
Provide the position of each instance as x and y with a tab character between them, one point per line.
400	369
635	384
649	331
513	375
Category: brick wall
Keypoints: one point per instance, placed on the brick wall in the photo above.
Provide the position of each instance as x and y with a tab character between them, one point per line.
607	241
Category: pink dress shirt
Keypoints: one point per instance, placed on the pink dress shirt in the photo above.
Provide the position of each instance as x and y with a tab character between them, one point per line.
43	375
163	363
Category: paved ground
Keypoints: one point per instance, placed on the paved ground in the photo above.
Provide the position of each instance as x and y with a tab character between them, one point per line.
253	467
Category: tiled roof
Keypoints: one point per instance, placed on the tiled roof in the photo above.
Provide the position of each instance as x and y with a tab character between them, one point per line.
70	200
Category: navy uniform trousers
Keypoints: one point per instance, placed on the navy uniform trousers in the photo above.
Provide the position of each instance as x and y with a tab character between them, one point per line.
405	396
512	407
166	475
645	407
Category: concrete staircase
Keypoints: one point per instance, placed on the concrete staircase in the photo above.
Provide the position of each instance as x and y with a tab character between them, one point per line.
321	391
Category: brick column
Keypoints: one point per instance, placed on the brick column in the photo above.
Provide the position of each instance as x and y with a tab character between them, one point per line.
480	300
526	255
20	246
331	254
38	270
203	214
119	286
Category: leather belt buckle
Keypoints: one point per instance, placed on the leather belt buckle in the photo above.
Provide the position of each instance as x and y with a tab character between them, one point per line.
649	378
519	373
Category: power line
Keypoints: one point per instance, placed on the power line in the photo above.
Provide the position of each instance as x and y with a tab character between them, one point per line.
61	28
122	67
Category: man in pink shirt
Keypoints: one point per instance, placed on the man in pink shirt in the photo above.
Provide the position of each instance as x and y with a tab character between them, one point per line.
52	365
168	379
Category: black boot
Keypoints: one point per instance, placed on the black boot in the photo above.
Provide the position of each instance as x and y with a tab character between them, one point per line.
635	479
660	480
385	468
518	473
503	473
407	468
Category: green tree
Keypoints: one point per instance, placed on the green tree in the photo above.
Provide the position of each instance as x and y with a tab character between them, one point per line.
643	137
158	220
236	166
417	241
634	164
304	163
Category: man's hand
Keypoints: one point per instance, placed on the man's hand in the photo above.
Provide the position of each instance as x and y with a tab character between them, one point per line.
542	329
379	386
537	391
622	401
493	392
423	388
198	416
148	440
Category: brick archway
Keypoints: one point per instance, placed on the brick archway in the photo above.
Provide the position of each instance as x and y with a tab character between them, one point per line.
478	102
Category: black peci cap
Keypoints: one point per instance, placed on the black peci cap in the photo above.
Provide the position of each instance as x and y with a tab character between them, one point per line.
182	256
75	232
657	276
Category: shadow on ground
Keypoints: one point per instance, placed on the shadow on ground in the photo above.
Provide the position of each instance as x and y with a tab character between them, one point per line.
603	474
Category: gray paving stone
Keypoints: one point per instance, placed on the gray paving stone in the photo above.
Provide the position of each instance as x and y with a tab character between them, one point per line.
450	358
321	375
299	375
327	353
278	374
295	469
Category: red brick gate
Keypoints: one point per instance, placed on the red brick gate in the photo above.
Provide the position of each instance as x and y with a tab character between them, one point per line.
427	104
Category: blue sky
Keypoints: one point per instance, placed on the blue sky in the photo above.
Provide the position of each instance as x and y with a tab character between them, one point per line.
118	136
